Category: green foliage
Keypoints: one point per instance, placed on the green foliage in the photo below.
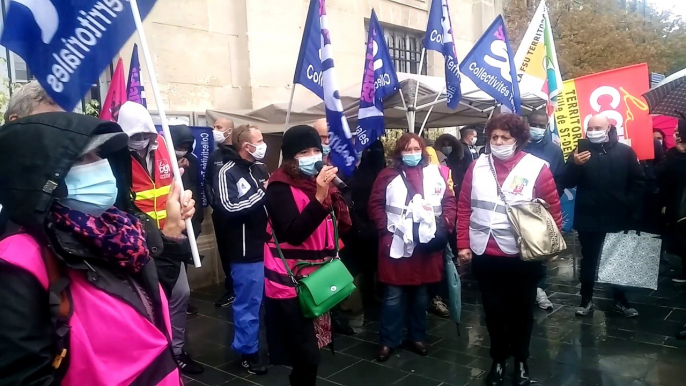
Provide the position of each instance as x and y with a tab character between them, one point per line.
93	108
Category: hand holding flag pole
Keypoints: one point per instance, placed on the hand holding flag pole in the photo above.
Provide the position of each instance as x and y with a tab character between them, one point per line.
165	126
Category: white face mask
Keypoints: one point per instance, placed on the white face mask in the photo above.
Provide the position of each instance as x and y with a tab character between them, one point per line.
219	137
139	145
474	141
503	152
260	150
181	153
596	136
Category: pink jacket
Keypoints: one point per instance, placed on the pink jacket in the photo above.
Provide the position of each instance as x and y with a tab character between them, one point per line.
110	343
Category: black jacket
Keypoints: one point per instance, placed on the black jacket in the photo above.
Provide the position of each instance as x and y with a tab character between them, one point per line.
214	163
671	178
238	195
551	153
27	334
610	188
467	159
183	139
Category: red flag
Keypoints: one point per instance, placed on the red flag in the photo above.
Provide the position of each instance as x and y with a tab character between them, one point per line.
116	95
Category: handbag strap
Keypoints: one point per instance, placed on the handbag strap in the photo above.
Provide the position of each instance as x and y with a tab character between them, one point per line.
497	184
303	264
411	192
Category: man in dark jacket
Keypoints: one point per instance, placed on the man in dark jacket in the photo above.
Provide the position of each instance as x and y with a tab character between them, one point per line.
222	130
610	185
239	193
544	148
468	137
183	145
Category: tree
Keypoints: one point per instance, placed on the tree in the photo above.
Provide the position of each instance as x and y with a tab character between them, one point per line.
598	35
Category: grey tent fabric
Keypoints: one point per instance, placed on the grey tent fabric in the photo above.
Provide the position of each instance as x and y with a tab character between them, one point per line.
475	107
669	96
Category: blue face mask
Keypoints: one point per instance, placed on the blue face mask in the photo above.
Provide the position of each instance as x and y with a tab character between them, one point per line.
412	159
306	164
326	149
91	188
536	133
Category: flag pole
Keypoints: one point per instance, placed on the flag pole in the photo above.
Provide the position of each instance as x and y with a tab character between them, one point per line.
290	106
165	126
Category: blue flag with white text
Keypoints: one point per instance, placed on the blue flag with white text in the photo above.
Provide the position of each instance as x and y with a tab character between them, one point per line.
439	37
343	154
378	82
491	66
68	44
308	71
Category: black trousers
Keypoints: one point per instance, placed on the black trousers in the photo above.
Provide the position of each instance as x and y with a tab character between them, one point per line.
508	289
591	248
303	375
219	234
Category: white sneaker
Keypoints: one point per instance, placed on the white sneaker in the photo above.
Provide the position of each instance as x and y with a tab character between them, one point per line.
542	300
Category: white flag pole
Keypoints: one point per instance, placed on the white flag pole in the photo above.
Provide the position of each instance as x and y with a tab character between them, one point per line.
290	106
165	126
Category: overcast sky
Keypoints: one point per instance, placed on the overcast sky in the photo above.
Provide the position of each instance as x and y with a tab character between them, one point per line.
677	6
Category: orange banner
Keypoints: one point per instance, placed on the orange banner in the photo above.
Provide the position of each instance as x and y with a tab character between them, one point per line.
615	93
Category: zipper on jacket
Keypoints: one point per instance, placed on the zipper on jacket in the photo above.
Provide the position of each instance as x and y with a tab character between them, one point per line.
253	179
243	240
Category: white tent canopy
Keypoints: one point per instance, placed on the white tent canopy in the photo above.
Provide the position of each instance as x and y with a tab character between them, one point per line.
475	107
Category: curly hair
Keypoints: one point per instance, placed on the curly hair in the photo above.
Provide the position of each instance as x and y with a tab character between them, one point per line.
514	124
401	144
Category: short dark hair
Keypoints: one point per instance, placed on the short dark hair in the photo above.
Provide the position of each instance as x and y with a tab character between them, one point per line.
539	113
513	123
402	143
465	131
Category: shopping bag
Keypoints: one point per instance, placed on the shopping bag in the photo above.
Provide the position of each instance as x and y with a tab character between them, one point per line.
630	259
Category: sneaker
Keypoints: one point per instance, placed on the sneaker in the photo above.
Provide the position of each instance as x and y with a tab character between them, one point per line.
226	300
625	310
187	365
679	279
191	309
585	308
439	308
542	299
253	365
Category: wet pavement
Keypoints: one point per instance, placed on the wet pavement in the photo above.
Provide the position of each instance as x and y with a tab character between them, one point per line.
603	350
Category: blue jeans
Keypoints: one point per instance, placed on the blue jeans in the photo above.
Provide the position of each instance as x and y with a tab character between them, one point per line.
248	284
396	300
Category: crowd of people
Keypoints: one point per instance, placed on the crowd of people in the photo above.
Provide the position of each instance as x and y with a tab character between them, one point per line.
93	236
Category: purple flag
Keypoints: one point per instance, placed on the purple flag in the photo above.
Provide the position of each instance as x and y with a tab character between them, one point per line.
134	85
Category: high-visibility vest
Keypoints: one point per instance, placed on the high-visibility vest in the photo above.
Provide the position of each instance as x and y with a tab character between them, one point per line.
151	193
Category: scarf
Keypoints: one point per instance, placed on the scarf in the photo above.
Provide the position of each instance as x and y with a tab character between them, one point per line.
116	237
334	199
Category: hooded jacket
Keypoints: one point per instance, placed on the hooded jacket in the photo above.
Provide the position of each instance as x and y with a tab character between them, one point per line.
610	187
102	294
183	139
551	153
135	119
239	197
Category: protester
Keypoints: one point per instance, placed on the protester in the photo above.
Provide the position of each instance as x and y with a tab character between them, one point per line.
671	176
241	184
79	290
411	247
322	128
452	148
435	156
151	180
222	131
659	135
610	187
542	146
468	137
486	237
299	202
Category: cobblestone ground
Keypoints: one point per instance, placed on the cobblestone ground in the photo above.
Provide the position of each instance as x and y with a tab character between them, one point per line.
604	350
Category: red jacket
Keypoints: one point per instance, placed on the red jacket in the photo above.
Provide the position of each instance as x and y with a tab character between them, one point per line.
420	268
545	189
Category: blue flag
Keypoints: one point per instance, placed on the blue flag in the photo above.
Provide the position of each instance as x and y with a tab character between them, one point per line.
439	37
343	153
308	71
378	82
135	92
491	66
68	44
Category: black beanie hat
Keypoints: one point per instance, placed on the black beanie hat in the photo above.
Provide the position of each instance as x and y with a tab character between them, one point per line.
299	138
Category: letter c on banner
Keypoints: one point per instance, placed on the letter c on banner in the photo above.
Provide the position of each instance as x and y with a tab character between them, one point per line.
601	91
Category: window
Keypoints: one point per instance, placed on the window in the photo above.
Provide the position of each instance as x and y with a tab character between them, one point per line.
20	71
405	49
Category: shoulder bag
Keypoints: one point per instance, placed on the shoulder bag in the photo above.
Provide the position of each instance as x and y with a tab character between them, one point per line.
324	288
538	237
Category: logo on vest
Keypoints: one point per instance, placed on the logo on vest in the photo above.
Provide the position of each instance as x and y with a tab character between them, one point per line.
164	168
518	184
243	187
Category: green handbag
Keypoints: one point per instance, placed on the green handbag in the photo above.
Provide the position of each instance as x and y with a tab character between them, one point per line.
324	288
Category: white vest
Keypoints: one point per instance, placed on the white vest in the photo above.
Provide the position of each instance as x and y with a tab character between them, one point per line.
397	211
489	214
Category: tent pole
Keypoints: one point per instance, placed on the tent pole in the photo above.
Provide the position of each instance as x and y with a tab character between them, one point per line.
413	111
426	118
290	106
407	113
